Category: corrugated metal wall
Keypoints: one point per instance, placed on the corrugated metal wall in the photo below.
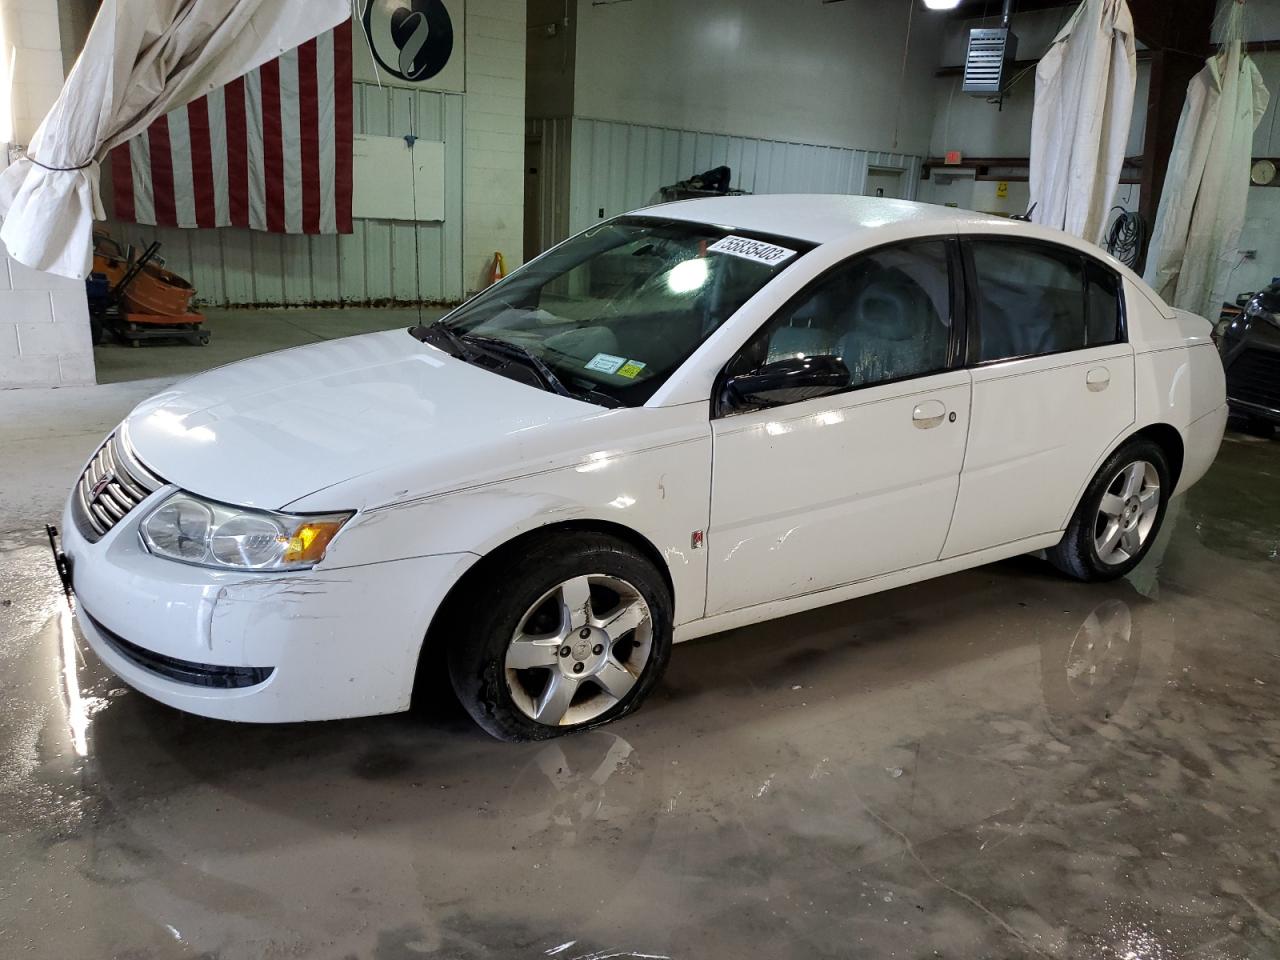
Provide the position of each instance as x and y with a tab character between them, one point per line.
617	167
381	261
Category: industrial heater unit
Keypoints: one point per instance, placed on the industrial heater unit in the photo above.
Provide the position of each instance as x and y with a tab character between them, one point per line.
989	61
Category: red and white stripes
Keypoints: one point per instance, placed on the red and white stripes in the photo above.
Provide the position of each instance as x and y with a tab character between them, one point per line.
270	151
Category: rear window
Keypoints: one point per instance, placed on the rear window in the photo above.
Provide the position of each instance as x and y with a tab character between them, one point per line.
1030	300
1103	305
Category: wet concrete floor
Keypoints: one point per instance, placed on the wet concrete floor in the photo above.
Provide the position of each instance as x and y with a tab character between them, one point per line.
1001	763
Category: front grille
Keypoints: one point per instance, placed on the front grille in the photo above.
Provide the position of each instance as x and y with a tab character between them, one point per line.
182	671
112	484
1254	378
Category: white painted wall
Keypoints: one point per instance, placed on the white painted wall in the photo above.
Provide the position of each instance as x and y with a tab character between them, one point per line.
805	72
616	167
552	53
493	146
980	129
44	320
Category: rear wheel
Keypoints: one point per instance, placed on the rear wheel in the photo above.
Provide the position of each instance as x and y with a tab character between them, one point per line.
571	632
1119	515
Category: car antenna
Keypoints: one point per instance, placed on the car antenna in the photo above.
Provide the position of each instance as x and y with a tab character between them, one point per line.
1025	217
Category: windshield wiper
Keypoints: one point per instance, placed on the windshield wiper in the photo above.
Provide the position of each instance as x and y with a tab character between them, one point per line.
441	330
541	367
514	350
465	344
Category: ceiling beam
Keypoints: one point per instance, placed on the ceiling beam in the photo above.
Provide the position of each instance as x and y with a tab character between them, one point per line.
972	9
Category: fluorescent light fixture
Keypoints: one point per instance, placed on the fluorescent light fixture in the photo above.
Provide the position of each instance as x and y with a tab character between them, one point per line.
942	4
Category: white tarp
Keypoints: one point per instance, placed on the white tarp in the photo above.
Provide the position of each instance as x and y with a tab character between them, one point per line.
142	59
1193	244
1080	126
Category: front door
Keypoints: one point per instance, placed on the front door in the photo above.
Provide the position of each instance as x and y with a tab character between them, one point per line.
830	490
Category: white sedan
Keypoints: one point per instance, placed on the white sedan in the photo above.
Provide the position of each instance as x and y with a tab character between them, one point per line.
684	420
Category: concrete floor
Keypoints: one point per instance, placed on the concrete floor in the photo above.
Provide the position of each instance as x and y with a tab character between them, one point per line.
1001	763
236	334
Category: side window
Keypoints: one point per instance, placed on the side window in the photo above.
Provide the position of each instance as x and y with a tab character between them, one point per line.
1103	305
886	314
1030	301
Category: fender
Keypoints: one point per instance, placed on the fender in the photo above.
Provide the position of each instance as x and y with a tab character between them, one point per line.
632	490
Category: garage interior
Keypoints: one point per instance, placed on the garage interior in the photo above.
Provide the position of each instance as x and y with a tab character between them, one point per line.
997	763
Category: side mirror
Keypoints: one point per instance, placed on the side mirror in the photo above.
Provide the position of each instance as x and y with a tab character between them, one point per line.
784	381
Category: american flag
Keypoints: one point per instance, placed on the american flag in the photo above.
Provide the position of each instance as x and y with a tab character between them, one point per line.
270	151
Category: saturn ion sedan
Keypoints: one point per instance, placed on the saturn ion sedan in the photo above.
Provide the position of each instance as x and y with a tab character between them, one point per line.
684	420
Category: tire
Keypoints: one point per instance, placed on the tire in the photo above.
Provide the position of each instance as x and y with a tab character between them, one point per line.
532	655
1092	549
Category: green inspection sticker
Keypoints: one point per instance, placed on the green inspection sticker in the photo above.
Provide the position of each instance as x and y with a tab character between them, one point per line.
631	369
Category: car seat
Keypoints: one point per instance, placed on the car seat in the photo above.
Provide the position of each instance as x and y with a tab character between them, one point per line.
892	332
809	330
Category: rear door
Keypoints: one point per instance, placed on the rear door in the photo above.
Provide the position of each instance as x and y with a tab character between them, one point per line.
1053	387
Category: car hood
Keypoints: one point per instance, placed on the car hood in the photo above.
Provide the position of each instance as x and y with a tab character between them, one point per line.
267	431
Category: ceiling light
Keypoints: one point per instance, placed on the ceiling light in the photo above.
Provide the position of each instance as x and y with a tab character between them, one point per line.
942	4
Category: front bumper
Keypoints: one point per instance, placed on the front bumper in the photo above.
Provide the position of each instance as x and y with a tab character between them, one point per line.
318	644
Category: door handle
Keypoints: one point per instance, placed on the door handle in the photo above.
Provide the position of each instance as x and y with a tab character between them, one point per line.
1098	379
928	414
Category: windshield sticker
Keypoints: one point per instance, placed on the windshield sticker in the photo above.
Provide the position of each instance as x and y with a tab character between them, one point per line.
631	369
605	363
750	249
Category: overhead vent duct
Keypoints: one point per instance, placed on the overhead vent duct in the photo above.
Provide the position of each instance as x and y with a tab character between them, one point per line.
988	65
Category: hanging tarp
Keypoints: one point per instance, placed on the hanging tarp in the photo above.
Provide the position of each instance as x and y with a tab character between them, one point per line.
1080	126
143	58
1206	188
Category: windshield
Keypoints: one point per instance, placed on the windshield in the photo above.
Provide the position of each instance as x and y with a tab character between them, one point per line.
613	312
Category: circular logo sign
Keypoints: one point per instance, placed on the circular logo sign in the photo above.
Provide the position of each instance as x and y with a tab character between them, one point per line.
410	39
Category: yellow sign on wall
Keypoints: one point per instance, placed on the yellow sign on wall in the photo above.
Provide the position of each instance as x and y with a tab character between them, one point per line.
1002	189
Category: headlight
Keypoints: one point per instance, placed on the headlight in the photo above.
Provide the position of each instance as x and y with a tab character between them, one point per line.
186	528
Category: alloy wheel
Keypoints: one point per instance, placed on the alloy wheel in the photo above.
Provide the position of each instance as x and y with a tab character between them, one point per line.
579	650
1127	513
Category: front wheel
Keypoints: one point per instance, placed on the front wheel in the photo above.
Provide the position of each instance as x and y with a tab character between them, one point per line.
571	632
1119	515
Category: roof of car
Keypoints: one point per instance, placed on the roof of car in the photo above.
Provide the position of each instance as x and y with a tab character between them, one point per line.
828	218
818	218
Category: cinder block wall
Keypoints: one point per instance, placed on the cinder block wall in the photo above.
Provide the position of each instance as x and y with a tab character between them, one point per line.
493	131
44	329
44	320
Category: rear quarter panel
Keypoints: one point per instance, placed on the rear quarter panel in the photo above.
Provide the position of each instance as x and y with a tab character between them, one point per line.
1179	381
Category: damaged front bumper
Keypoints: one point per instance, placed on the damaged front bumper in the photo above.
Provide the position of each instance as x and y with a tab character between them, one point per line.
320	644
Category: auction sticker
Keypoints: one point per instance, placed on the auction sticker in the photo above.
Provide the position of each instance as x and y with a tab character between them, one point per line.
750	249
605	363
632	369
